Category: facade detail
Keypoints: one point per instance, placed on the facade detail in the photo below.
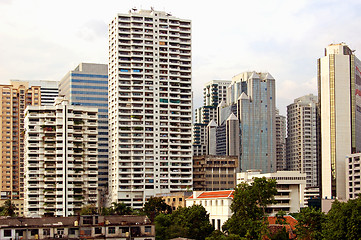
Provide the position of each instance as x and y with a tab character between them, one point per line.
215	91
15	98
150	106
60	159
211	173
339	93
301	140
353	181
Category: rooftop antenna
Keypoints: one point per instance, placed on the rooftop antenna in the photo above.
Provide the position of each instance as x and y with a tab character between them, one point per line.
134	9
152	9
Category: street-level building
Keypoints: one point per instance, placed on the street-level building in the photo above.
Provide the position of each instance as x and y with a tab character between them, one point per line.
150	106
61	164
290	189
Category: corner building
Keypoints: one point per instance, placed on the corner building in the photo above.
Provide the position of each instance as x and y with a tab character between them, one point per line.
150	106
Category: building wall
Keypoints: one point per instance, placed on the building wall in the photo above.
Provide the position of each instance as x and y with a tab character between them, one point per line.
353	187
150	106
14	99
60	159
211	173
280	142
214	92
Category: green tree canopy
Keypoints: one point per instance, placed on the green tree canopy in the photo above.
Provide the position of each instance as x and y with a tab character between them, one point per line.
249	206
155	206
191	222
8	209
343	221
88	210
309	226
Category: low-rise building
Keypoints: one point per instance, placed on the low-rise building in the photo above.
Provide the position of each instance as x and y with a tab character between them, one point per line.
290	187
176	199
216	203
78	227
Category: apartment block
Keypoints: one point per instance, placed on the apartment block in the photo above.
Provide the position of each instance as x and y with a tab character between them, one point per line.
215	91
14	99
150	106
339	96
61	163
290	189
302	141
353	181
48	88
211	173
199	139
87	85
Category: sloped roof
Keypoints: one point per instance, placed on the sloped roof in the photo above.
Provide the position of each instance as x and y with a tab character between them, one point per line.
232	117
215	194
212	123
289	219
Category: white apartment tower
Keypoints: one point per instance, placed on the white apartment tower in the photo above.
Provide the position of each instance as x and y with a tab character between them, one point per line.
339	93
301	140
150	106
60	159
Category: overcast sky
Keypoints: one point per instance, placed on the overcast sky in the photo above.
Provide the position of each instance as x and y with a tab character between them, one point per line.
44	39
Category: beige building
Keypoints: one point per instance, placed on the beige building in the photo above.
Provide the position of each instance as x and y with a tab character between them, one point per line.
61	164
176	199
353	181
290	188
14	99
212	173
339	93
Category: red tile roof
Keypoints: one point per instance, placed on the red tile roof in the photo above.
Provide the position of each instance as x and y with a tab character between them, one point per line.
215	194
289	219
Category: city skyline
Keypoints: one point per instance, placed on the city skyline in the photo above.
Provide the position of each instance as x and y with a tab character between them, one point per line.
283	38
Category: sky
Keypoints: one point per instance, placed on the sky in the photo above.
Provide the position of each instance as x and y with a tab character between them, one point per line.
43	39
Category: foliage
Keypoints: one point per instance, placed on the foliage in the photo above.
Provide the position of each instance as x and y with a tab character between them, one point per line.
191	222
8	209
248	207
343	220
120	209
218	235
155	206
88	210
309	224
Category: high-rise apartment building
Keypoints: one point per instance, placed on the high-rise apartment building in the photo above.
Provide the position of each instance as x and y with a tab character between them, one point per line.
301	140
87	85
60	159
14	99
150	106
339	94
254	95
215	91
280	142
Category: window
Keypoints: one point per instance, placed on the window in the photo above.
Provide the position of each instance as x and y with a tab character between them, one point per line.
34	232
98	230
46	231
148	229
111	230
7	233
72	231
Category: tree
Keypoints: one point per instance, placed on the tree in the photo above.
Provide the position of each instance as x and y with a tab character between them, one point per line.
121	209
8	209
155	206
88	210
249	208
218	235
309	226
191	222
343	220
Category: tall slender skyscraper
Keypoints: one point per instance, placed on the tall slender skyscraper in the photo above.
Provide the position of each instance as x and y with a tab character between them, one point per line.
15	98
150	106
280	141
301	140
339	93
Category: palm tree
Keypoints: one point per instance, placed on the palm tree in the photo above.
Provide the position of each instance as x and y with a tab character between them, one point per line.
8	209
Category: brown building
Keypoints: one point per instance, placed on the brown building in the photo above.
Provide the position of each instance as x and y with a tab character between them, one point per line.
211	173
14	99
78	227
